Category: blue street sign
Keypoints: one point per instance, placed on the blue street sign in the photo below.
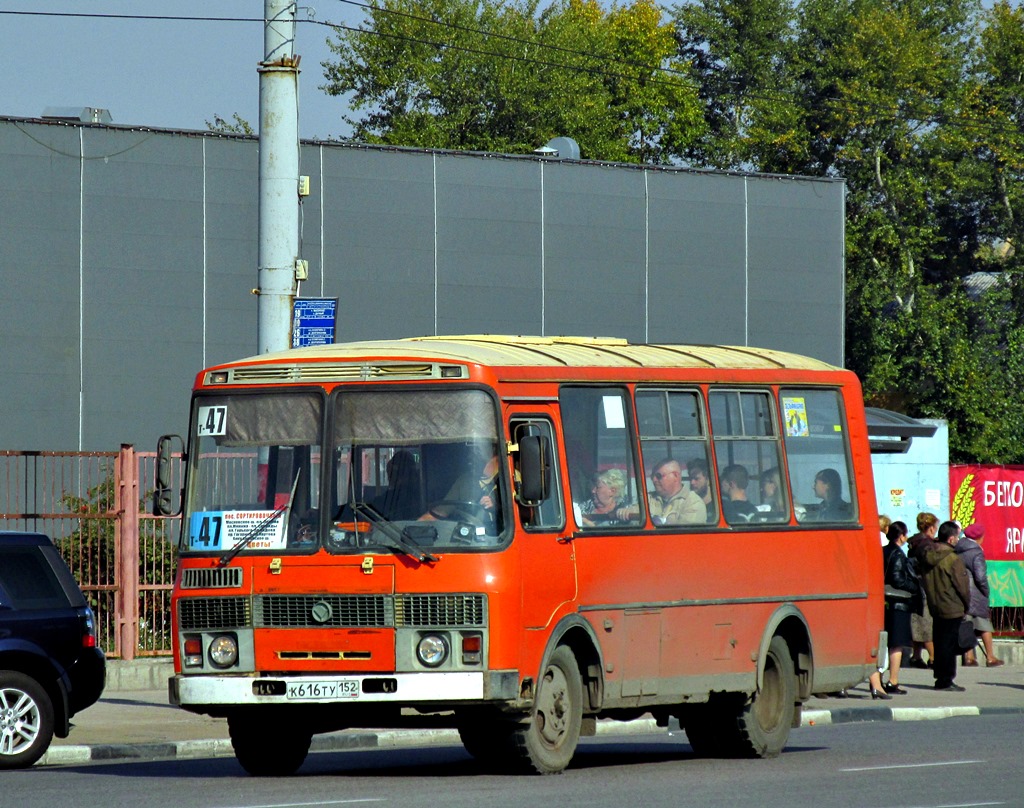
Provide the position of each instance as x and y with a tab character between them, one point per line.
313	321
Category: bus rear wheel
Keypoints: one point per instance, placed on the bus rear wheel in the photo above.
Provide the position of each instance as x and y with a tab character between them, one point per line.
765	720
547	742
268	746
732	726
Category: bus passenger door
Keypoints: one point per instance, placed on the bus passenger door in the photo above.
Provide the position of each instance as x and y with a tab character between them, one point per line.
547	559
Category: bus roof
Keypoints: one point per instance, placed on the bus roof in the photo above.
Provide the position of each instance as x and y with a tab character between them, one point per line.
526	351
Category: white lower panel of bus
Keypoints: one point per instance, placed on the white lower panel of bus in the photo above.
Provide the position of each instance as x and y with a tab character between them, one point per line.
404	687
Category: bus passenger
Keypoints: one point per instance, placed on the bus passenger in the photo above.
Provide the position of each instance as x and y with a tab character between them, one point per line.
771	492
734	480
401	499
672	503
700	484
607	497
829	488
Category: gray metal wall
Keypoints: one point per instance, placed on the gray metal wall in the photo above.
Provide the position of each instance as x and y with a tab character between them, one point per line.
128	257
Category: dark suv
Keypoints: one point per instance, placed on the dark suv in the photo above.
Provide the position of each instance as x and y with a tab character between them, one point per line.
50	665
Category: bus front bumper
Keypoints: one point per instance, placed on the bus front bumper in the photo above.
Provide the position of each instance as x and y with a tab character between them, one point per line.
405	688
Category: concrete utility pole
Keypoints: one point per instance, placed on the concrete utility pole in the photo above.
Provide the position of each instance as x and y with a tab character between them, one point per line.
279	176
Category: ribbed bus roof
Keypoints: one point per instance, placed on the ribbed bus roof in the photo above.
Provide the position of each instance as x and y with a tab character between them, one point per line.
524	351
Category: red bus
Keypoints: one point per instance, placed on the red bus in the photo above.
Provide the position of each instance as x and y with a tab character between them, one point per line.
518	536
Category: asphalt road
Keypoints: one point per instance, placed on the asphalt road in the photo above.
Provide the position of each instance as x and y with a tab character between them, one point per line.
970	761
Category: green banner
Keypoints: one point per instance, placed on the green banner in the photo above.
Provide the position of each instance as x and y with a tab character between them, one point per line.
1006	583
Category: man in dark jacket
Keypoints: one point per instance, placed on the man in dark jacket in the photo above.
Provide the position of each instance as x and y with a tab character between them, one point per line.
948	589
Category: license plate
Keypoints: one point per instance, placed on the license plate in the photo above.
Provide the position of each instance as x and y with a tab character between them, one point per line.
343	689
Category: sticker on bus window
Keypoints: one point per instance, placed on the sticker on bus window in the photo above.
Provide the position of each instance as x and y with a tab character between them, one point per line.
212	420
614	416
222	530
795	411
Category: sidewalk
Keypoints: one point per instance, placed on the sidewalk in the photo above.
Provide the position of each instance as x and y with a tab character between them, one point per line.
134	721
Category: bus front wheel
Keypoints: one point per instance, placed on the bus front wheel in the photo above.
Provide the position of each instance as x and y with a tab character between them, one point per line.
268	746
547	743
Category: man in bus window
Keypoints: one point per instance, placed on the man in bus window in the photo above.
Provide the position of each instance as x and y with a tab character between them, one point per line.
672	503
829	488
734	480
700	483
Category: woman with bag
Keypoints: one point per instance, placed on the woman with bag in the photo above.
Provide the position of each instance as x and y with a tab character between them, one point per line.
970	552
901	588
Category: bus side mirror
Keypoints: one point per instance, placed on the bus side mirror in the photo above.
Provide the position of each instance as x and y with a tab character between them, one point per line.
167	500
534	470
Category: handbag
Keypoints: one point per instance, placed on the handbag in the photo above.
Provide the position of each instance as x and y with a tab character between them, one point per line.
965	636
892	592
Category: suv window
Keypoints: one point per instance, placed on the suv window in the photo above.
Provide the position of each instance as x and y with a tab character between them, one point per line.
27	581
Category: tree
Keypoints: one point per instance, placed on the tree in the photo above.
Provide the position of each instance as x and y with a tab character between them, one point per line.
236	126
504	76
742	52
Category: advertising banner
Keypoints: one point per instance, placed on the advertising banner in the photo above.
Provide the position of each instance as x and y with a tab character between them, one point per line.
993	496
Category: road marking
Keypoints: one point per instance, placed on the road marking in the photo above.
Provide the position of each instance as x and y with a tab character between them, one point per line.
310	804
919	766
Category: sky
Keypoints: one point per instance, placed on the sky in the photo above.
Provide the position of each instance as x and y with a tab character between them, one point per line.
164	73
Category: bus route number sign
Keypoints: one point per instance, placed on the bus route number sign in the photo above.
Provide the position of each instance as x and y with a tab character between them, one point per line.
212	421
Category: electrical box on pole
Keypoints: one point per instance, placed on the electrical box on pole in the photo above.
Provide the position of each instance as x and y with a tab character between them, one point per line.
278	176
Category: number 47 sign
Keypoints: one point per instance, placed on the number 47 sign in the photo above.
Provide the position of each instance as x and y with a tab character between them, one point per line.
212	420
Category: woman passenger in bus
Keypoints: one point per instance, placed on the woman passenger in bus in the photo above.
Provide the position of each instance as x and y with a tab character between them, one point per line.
607	495
771	492
829	488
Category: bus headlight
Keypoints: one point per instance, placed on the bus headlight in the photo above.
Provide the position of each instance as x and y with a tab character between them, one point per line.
223	651
432	650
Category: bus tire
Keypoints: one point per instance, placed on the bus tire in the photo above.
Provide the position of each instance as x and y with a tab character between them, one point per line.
704	729
265	748
487	739
766	718
547	742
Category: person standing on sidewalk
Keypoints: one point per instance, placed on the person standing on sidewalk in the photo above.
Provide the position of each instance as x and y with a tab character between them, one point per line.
948	590
970	552
901	588
920	618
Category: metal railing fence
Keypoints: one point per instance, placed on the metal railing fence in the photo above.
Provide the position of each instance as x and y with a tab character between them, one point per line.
94	505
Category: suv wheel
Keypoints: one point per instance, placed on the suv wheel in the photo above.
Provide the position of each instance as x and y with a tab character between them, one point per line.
26	720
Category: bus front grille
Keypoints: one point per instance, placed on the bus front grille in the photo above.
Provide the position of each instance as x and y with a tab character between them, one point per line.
333	611
201	614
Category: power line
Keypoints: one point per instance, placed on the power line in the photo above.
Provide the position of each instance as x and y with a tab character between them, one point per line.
964	122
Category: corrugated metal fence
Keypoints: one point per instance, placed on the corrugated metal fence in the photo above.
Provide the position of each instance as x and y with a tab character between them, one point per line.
94	505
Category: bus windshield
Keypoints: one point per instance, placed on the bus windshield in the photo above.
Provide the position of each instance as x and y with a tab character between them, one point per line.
417	468
255	482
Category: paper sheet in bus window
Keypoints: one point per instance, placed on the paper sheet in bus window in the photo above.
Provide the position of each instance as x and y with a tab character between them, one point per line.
614	416
223	530
795	412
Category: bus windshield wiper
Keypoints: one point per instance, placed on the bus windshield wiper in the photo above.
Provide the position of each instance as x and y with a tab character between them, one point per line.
256	531
395	538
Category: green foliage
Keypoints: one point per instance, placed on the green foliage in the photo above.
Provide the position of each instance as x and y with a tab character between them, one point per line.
236	126
506	77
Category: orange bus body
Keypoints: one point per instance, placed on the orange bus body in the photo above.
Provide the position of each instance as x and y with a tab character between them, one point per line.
523	623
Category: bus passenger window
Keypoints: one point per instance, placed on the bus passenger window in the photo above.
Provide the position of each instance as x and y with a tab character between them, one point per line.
749	454
599	445
818	450
673	441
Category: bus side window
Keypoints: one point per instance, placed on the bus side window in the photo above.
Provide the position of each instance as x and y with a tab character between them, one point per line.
548	514
749	457
674	445
602	465
818	451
